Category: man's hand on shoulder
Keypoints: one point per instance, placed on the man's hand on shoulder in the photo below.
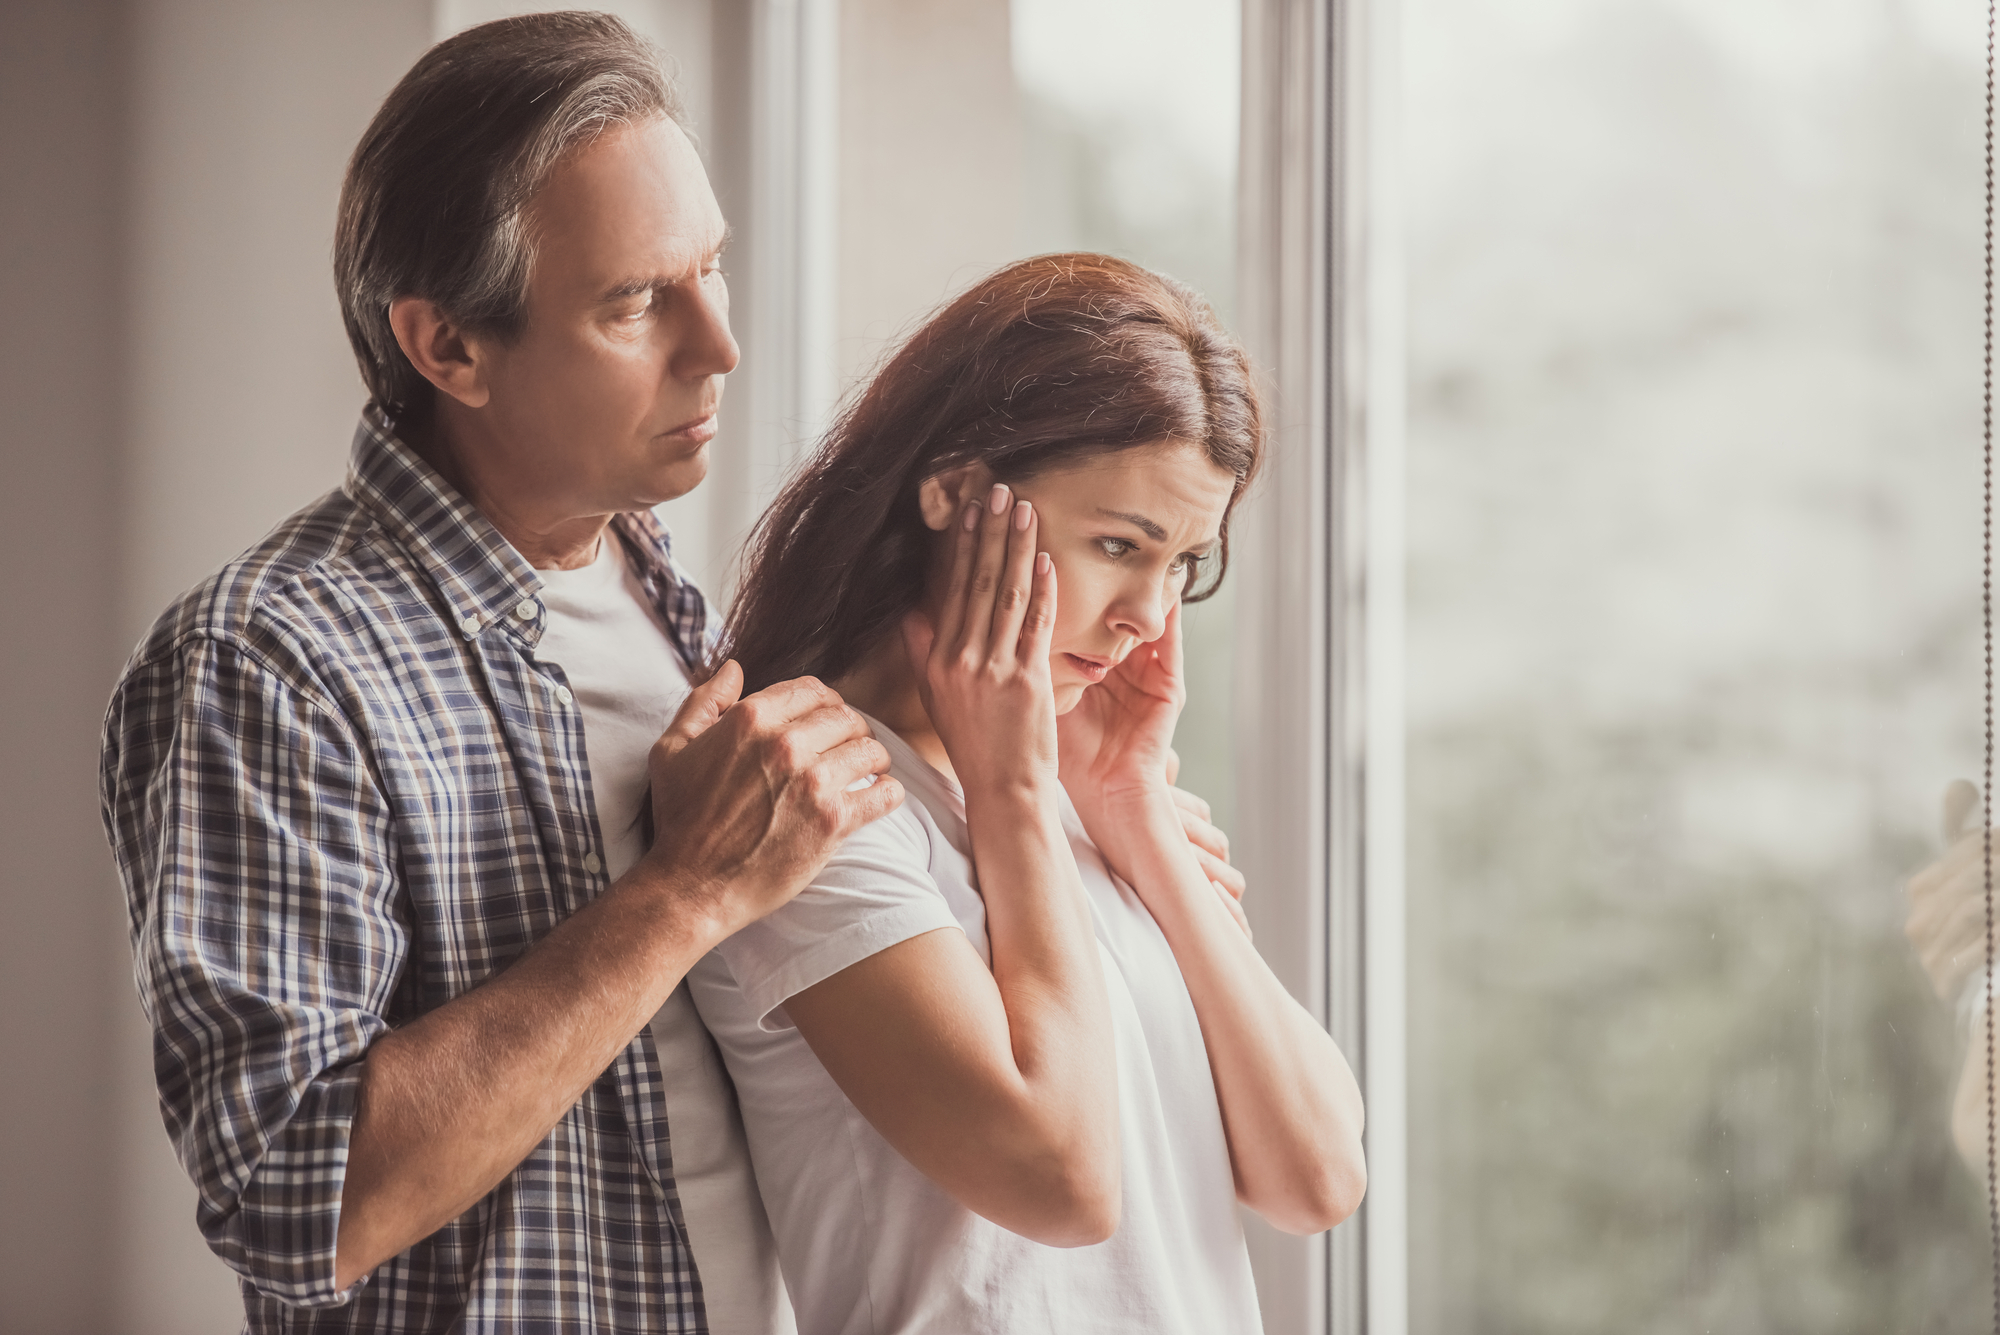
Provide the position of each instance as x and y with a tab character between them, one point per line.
751	796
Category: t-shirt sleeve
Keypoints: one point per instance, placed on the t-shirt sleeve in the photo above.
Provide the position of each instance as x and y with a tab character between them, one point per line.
875	892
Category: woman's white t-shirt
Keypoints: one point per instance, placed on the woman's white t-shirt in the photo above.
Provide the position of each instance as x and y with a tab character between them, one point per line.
870	1245
628	682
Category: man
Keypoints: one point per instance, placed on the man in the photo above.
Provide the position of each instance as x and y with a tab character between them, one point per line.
379	789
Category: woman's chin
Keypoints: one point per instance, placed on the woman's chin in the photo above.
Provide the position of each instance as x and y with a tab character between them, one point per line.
1069	694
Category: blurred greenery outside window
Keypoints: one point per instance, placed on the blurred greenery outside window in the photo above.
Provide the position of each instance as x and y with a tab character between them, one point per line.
1693	393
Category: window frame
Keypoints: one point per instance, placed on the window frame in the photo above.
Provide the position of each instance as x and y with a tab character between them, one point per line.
1320	603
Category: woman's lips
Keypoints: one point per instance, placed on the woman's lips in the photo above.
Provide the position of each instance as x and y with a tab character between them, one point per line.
1090	669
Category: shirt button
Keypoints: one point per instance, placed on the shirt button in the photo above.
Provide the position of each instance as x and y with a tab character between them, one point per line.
469	623
563	694
592	863
525	609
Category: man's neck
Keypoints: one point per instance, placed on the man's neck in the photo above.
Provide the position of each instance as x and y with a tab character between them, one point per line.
546	542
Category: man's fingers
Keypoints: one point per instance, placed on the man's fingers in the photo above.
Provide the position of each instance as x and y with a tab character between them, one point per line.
878	799
809	737
704	705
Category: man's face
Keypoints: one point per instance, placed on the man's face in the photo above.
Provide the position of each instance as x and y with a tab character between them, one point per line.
607	400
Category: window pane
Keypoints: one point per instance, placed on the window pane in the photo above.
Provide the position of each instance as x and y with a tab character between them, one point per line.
1693	645
978	131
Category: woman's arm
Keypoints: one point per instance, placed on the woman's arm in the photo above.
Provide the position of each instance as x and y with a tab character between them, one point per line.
1289	1102
1001	1085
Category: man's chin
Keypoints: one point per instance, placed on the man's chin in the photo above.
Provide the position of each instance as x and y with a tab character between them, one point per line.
675	478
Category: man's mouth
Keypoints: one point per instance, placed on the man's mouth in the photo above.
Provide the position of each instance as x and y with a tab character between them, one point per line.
698	432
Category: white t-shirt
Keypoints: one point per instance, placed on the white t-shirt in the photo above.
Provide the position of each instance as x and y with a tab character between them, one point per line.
628	682
869	1244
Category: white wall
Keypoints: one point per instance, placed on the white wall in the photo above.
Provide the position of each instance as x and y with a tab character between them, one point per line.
175	382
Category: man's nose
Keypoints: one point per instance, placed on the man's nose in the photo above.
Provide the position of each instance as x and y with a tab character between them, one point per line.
704	346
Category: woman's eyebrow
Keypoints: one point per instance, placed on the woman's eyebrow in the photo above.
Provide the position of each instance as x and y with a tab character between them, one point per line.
1140	522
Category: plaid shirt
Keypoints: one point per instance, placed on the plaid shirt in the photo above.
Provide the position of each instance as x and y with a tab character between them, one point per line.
342	792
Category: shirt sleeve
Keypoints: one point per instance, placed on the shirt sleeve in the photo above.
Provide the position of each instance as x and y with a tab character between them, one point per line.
876	891
254	845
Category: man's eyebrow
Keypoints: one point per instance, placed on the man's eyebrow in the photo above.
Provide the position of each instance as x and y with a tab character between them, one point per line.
1140	522
632	287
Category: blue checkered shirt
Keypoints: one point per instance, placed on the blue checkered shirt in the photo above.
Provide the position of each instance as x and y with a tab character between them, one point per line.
342	792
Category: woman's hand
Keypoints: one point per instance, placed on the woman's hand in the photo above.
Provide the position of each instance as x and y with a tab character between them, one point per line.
983	667
1117	744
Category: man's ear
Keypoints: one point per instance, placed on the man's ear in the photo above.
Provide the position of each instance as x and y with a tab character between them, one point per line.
943	498
442	353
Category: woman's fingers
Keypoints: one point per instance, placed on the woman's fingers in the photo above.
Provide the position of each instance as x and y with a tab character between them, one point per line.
1204	834
1169	646
1017	575
964	553
1235	910
1190	803
1038	627
988	563
1221	873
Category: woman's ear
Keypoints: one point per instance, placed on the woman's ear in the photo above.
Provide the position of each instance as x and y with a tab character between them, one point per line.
943	498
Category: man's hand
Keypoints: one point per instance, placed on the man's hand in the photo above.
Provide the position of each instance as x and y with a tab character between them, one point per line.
750	799
752	796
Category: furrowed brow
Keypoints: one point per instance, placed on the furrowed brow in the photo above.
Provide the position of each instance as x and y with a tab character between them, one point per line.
1140	522
633	286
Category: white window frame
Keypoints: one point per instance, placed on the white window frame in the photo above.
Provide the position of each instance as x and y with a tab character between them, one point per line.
1319	729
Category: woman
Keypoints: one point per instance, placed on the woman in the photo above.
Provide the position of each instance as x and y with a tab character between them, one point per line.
1008	1064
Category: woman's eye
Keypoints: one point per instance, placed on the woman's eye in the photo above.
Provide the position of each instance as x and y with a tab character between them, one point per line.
1117	548
1187	563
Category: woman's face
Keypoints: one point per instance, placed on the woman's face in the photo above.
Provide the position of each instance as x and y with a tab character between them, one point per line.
1128	533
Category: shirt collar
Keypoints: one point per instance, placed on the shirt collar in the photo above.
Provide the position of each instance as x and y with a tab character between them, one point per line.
478	573
476	570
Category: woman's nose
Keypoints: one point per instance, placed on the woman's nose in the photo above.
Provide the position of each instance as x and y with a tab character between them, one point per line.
1141	612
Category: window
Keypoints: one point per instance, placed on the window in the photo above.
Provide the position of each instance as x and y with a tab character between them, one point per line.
1692	387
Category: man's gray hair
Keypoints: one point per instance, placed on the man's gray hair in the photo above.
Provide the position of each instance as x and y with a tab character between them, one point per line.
434	201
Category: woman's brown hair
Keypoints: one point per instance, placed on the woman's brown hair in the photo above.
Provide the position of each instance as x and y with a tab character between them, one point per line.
1044	364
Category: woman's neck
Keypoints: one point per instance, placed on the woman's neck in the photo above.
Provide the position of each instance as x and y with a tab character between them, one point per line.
884	684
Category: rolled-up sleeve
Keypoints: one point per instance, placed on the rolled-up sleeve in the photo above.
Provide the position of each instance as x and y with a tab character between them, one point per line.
255	848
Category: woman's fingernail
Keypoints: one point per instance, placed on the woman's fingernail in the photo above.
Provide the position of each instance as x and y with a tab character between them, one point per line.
997	502
1023	512
971	516
1042	563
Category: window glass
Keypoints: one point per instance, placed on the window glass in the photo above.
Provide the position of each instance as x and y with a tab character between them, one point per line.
1693	647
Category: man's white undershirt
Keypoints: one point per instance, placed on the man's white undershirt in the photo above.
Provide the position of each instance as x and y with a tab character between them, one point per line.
629	681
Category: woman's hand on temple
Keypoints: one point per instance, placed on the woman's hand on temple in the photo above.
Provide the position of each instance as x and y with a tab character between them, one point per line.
1117	744
982	667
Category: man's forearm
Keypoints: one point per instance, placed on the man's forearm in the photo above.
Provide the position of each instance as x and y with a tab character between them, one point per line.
453	1101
